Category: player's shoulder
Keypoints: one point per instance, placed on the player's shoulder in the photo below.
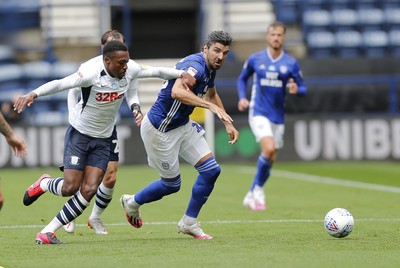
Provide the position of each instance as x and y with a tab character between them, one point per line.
258	54
289	58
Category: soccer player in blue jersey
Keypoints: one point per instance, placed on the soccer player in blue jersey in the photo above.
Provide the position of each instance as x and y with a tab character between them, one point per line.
168	133
274	73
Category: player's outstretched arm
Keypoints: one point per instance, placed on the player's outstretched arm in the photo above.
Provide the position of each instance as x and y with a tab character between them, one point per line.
24	100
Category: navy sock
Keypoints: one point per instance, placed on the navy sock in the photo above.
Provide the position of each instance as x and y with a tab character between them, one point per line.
158	189
263	172
209	171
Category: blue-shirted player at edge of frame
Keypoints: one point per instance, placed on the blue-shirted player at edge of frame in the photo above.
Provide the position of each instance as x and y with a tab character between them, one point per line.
168	133
274	73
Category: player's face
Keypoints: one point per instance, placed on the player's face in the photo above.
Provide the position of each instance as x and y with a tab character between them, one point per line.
117	64
215	55
275	37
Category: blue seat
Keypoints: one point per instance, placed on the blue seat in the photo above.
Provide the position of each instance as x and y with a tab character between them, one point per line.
349	43
371	16
392	15
10	72
316	19
344	17
62	69
320	44
37	70
376	43
394	41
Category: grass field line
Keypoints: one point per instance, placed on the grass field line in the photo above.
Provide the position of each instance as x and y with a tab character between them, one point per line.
211	222
327	180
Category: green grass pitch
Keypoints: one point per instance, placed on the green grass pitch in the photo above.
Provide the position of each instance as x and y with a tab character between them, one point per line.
290	233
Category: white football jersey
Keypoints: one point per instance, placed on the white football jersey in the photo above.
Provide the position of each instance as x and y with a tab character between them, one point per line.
102	95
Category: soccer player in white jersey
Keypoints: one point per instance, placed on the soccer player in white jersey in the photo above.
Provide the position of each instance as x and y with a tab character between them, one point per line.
87	141
274	72
106	189
168	133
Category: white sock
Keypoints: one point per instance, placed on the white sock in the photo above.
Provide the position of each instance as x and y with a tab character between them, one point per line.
188	220
43	184
132	203
52	227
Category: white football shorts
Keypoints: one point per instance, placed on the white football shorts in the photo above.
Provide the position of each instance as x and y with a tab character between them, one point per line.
164	148
262	127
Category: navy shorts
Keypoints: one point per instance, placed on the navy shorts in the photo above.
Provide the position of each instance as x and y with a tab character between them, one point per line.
81	150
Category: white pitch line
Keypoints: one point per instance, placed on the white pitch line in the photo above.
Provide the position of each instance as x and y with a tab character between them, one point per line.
212	222
327	180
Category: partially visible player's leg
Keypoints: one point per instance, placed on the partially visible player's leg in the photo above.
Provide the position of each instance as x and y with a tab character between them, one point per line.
162	152
103	198
85	162
106	189
198	154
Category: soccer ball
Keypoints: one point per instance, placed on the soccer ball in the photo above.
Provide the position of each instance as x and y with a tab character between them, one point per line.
339	222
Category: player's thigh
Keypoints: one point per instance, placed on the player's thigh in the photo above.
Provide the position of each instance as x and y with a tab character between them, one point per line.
265	131
194	149
162	148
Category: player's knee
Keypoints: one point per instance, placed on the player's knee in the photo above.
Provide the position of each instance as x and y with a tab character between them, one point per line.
69	189
88	191
110	179
172	185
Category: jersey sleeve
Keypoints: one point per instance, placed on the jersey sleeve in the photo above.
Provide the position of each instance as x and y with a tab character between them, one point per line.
244	75
298	78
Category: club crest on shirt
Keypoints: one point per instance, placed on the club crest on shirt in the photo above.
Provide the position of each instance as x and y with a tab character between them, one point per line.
74	160
122	82
165	165
283	69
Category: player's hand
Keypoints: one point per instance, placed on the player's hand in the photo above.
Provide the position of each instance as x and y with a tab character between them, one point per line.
188	80
225	118
23	101
232	132
292	86
243	104
138	117
17	144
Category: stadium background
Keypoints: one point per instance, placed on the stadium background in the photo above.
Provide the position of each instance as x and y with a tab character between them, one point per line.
348	51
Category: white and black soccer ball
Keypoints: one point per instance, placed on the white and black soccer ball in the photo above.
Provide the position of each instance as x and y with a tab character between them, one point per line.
339	222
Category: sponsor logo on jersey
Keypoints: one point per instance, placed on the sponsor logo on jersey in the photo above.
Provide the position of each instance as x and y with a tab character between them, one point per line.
192	71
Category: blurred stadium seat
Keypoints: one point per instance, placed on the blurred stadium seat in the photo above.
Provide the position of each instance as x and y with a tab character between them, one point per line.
349	43
394	41
321	44
376	43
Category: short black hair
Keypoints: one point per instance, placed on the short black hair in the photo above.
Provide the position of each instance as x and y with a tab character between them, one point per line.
114	34
218	37
113	46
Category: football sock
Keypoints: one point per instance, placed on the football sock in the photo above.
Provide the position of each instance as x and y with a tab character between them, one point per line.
158	189
103	198
209	171
263	172
188	220
54	186
44	184
72	209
